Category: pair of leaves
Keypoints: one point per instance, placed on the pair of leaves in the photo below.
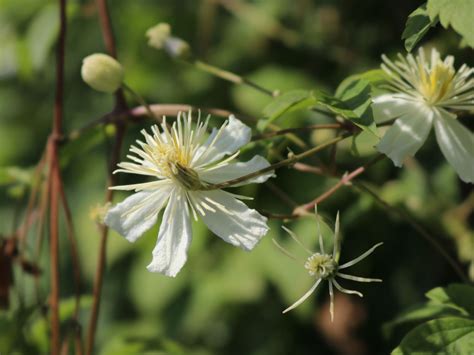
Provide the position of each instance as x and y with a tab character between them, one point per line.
451	330
455	13
352	102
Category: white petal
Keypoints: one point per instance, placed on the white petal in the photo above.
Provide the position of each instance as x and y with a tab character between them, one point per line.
137	213
304	297
236	170
230	218
390	106
223	142
407	134
457	144
174	238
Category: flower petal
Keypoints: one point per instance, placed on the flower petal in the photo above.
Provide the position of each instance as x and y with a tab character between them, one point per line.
230	218
137	213
236	170
224	141
407	134
389	106
174	238
457	144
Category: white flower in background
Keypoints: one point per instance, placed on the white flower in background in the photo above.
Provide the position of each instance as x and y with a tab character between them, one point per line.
324	266
182	161
424	93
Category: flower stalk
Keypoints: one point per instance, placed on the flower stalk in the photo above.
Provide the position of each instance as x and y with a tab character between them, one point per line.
287	162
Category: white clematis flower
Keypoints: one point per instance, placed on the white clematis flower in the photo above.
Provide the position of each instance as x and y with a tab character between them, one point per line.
324	266
182	162
421	94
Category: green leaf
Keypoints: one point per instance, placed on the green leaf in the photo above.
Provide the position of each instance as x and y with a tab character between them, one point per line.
82	144
455	13
419	313
14	174
353	103
374	77
457	296
418	24
450	335
41	35
290	101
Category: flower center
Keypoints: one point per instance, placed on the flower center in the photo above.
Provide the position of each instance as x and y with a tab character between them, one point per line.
173	162
437	82
321	265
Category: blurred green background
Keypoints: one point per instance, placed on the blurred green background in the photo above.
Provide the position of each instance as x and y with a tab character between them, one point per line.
224	301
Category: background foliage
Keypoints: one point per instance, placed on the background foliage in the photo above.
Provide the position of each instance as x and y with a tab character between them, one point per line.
226	301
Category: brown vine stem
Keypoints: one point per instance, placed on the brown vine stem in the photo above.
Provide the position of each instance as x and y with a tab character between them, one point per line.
345	180
416	226
35	191
55	177
120	106
160	110
76	329
305	168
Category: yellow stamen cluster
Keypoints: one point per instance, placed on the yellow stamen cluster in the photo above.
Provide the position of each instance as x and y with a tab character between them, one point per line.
321	265
166	156
436	82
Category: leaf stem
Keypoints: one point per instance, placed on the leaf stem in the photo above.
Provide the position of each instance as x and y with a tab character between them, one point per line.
232	77
295	130
140	100
287	162
416	226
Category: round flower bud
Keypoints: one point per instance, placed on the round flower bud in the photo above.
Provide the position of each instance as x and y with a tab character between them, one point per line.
157	35
177	48
102	72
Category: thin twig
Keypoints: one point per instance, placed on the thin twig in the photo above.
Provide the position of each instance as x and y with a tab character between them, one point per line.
159	110
287	162
417	226
282	195
55	176
141	101
54	255
305	168
296	130
74	255
35	190
303	209
232	77
120	106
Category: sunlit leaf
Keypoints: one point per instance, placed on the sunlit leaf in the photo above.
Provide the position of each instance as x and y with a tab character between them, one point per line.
353	103
418	24
455	13
450	335
290	101
41	35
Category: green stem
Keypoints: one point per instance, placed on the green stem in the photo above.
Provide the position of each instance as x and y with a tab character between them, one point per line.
295	130
232	77
411	221
140	100
278	165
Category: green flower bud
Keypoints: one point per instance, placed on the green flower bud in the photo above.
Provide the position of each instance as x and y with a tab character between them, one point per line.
177	48
102	72
157	35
